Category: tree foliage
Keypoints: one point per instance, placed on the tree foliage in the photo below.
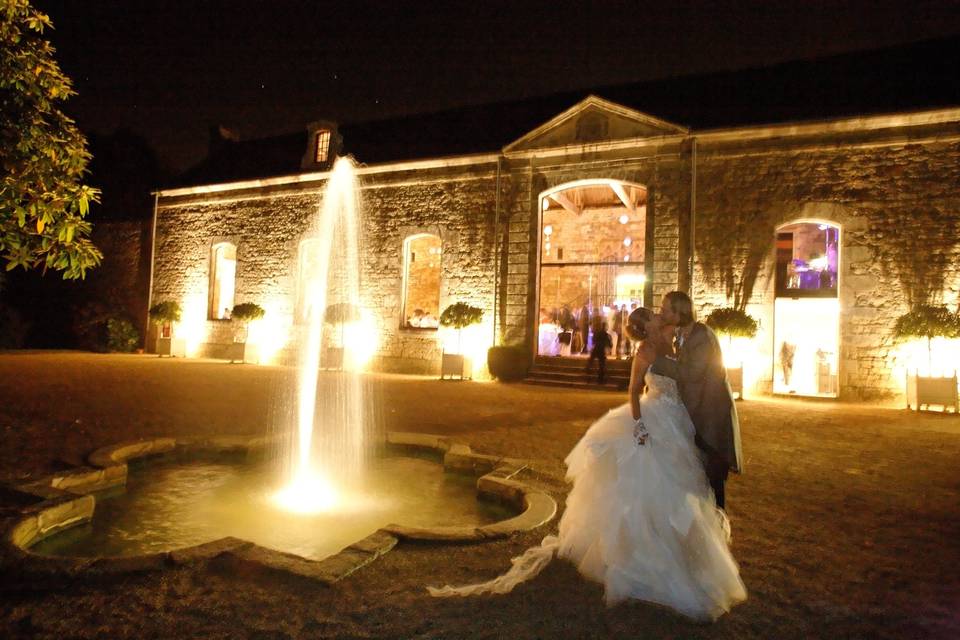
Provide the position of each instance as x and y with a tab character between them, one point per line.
732	322
43	201
926	321
460	315
163	312
247	312
341	313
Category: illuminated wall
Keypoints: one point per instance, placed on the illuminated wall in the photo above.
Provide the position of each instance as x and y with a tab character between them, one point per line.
897	203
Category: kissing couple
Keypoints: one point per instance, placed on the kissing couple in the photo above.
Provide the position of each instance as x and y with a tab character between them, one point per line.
645	516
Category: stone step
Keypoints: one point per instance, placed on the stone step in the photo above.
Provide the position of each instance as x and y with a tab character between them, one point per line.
548	363
577	384
579	374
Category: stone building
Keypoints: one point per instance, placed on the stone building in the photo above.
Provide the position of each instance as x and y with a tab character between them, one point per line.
824	231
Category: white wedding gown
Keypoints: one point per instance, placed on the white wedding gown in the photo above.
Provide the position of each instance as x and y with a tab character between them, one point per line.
640	519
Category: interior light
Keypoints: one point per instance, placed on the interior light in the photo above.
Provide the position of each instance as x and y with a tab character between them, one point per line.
546	203
627	242
626	258
547	230
624	219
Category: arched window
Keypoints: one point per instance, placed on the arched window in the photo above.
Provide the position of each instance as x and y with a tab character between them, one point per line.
593	263
806	317
223	283
421	281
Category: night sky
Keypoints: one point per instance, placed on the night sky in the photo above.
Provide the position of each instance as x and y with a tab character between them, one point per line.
170	70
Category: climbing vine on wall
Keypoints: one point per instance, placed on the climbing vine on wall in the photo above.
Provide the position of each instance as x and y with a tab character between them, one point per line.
733	242
925	252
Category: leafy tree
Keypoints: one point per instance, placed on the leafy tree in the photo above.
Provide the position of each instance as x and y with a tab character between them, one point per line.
164	312
732	322
43	200
927	321
247	313
459	316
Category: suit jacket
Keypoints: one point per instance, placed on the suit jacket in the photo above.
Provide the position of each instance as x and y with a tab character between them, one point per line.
601	342
702	381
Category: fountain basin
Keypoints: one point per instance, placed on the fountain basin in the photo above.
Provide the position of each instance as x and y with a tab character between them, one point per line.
60	503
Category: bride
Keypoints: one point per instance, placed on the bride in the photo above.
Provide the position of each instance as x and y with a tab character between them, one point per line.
641	518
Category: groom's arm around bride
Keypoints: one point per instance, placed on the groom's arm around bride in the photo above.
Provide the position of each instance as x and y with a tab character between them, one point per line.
702	382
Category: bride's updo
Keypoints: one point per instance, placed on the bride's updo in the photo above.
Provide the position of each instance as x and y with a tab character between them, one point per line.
637	323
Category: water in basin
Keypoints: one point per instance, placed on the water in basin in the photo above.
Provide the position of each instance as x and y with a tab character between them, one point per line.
169	504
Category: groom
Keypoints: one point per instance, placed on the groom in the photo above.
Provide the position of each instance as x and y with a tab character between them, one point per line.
702	380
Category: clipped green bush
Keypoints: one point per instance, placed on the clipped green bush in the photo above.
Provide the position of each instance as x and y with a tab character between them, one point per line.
247	312
507	363
927	321
341	313
166	311
122	336
732	322
461	315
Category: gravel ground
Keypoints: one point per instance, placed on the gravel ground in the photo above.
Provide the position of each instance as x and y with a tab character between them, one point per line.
846	521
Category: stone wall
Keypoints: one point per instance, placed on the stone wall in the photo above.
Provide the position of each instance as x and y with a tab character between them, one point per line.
897	202
268	224
893	190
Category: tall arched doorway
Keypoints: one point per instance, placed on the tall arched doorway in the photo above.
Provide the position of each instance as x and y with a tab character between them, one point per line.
806	322
592	266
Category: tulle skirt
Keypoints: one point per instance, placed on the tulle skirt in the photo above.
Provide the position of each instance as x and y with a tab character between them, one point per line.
642	520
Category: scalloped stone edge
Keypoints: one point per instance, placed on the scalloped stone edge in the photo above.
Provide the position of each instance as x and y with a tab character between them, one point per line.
63	500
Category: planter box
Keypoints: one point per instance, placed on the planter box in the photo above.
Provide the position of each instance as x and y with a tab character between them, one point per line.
173	347
456	365
333	359
243	352
735	378
924	392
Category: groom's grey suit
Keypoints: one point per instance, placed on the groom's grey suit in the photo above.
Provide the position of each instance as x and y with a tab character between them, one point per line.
702	381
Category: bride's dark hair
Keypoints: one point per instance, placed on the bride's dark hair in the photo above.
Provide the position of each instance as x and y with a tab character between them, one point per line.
637	323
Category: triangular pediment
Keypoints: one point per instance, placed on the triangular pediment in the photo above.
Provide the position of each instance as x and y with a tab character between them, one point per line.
594	120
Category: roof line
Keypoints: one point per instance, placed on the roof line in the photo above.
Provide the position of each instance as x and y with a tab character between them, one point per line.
317	176
746	133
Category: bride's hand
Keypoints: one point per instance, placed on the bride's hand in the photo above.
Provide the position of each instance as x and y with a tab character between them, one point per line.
640	433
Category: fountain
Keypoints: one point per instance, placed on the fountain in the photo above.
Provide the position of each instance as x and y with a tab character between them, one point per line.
331	493
340	417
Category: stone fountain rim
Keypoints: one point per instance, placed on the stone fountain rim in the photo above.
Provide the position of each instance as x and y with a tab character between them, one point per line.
66	500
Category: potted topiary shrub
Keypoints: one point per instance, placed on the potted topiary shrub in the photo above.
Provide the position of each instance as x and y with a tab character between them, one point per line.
459	315
165	315
732	323
245	313
338	315
929	322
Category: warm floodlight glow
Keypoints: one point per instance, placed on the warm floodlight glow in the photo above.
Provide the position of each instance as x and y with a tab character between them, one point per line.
941	359
270	333
307	493
193	323
359	342
472	342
